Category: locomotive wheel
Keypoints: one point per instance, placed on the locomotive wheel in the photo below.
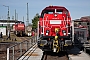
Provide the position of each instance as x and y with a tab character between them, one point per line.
61	45
20	34
16	32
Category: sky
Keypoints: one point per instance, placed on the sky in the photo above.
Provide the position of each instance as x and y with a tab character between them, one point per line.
77	8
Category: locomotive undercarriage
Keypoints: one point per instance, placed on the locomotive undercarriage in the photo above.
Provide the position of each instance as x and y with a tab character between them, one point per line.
55	44
19	33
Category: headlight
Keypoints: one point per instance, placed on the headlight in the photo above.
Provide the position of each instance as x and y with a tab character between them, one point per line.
64	31
55	15
47	31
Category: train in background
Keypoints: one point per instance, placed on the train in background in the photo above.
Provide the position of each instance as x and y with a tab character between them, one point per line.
19	28
56	29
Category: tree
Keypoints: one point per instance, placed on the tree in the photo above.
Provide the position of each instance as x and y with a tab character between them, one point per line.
35	21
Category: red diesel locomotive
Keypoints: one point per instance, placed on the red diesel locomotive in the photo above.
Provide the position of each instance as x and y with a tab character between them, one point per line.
19	28
54	29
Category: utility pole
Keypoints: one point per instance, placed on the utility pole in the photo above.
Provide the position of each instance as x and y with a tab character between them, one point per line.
15	15
23	18
8	18
27	22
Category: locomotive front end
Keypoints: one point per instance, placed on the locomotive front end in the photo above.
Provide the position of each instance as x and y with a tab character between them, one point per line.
54	28
19	28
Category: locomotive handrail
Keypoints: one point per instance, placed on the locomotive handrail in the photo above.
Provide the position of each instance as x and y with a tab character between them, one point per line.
72	25
43	25
46	20
67	24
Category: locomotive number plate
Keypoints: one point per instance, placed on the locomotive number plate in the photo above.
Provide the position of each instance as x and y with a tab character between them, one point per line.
55	21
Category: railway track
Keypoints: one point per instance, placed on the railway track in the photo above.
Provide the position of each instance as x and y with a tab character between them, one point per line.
29	53
55	56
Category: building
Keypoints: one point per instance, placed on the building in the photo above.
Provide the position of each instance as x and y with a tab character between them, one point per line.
84	21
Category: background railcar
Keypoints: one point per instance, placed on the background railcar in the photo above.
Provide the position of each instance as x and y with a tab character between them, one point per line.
19	28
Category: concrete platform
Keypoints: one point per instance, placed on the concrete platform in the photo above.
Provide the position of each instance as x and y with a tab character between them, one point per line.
82	56
37	55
